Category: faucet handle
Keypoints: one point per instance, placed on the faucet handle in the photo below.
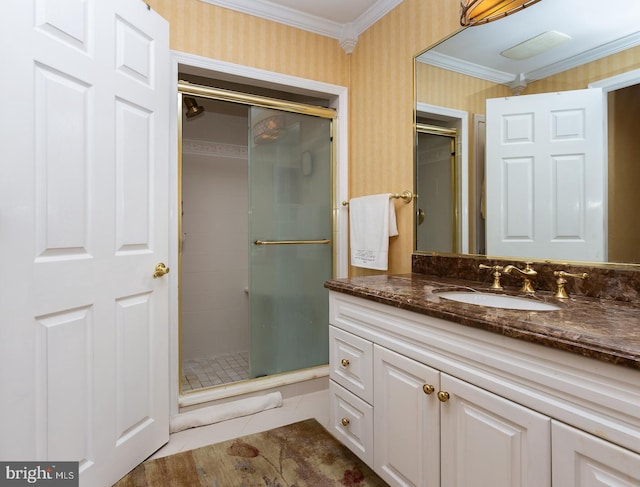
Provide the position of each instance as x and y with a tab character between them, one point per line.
529	270
497	272
561	292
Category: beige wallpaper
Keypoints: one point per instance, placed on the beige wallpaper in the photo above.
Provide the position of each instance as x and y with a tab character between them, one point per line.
226	35
381	119
379	75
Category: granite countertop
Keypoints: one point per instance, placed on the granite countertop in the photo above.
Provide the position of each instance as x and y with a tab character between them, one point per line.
602	329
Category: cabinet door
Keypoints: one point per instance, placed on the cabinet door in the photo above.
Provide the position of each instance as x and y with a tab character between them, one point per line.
488	440
406	417
581	459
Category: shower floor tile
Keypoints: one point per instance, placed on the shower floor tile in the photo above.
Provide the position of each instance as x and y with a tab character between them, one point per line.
201	373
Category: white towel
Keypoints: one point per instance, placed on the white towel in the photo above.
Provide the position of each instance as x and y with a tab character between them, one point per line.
372	220
225	411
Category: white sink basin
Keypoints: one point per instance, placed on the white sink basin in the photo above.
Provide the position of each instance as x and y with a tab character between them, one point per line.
497	301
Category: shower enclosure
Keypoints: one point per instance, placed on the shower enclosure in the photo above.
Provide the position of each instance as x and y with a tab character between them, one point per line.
256	232
436	176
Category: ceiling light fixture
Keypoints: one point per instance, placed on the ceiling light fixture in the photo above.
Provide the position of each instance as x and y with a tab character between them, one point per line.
476	12
269	129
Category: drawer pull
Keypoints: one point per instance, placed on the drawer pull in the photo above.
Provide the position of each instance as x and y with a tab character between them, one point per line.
344	362
443	396
345	421
428	389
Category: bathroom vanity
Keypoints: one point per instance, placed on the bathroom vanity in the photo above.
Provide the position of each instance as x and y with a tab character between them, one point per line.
433	392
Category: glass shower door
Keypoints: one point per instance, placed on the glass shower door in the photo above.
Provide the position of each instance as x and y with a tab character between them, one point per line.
290	231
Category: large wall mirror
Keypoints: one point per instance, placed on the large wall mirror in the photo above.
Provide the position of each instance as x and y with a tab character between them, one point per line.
528	136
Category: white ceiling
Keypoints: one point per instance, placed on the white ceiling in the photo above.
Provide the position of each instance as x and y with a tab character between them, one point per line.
344	20
341	11
596	29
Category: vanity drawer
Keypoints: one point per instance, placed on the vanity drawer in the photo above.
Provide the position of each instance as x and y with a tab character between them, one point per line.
351	422
351	362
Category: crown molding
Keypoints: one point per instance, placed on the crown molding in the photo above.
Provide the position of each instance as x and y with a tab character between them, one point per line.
505	78
459	66
346	33
594	54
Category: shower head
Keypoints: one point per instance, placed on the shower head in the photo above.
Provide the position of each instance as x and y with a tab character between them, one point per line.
193	109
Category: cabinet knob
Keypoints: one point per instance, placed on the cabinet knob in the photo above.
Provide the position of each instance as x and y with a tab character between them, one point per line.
345	421
443	396
344	362
428	389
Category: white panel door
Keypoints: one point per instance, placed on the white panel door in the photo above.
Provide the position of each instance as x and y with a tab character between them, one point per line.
546	176
488	440
83	222
406	420
582	460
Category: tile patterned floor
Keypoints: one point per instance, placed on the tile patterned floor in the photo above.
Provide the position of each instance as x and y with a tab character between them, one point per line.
212	371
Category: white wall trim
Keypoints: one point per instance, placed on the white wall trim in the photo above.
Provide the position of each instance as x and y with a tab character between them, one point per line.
425	109
338	96
617	82
346	33
465	67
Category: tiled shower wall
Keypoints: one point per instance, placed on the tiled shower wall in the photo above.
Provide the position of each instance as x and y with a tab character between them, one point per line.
215	228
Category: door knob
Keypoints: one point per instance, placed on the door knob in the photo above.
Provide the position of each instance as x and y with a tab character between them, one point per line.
160	270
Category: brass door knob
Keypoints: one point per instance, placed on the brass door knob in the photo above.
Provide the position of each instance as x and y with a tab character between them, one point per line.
344	362
345	421
160	270
428	389
443	396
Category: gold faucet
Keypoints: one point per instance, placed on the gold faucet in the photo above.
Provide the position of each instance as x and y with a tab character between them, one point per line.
561	293
527	273
497	271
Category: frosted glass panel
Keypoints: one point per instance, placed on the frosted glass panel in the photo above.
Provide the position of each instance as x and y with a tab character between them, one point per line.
290	195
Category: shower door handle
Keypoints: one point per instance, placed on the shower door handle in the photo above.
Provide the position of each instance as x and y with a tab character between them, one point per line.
291	242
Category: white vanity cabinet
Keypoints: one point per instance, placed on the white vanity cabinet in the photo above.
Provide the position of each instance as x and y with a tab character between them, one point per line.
580	459
427	402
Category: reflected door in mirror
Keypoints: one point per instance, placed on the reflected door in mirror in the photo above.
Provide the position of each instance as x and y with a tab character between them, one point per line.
546	179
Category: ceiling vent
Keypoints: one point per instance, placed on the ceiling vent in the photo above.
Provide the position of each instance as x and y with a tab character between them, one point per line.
535	45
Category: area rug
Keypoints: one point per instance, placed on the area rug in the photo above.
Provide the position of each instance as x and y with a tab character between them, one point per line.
302	454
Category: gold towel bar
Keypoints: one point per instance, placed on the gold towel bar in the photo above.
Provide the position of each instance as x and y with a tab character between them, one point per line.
407	196
291	242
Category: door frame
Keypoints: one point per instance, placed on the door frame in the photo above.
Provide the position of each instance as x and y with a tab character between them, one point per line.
212	68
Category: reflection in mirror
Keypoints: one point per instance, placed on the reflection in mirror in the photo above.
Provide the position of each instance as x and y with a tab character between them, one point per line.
569	196
436	174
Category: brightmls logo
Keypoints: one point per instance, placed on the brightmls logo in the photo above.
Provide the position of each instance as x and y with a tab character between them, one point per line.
54	474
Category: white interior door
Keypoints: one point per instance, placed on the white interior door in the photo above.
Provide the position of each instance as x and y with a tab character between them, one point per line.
84	220
546	176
